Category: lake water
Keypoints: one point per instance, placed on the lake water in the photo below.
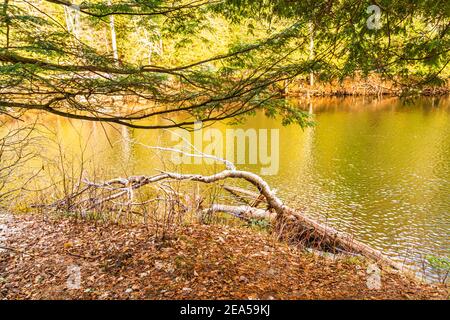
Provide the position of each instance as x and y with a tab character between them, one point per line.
379	169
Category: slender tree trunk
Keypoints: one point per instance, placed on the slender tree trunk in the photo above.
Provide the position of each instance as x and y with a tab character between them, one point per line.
5	14
72	17
311	51
113	36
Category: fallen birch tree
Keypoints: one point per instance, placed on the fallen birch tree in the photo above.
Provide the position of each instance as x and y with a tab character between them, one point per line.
288	224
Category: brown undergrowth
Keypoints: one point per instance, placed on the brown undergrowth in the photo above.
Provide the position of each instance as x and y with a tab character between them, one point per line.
198	262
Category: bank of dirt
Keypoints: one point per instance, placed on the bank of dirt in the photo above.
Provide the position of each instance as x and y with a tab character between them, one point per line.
67	259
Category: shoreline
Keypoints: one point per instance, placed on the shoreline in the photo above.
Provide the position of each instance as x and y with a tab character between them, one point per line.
371	86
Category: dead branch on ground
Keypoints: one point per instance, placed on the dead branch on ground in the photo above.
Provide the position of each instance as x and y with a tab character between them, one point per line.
289	224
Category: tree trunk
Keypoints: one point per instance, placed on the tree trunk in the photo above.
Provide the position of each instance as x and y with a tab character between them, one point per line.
113	36
311	51
295	227
289	224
